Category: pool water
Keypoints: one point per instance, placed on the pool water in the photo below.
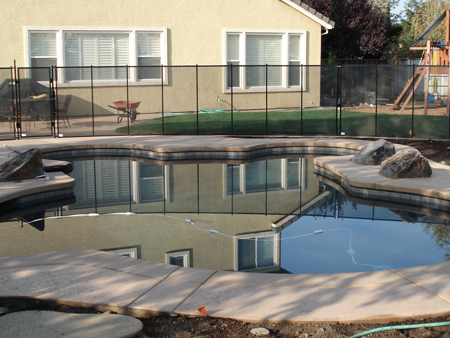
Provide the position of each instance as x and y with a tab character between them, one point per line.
271	215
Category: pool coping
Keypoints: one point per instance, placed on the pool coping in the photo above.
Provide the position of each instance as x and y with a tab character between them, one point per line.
143	288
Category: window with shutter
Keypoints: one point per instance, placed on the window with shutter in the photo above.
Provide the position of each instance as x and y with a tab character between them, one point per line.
294	60
264	58
233	63
43	54
263	50
268	175
101	183
108	51
151	182
149	55
263	175
91	49
256	252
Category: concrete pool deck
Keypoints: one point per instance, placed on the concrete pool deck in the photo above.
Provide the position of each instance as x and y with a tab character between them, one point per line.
140	288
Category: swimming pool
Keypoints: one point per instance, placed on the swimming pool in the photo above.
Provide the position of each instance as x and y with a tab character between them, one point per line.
272	215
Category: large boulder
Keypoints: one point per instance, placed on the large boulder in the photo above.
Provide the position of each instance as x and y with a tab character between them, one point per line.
374	153
22	167
406	164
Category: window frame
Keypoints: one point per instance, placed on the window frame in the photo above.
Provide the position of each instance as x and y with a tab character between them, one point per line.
259	235
132	251
242	174
136	187
185	254
132	52
285	34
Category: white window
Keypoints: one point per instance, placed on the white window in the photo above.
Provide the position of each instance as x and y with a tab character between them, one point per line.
131	252
235	183
263	50
108	51
101	183
107	182
92	49
149	55
267	175
255	59
257	251
151	182
43	53
180	258
294	60
233	60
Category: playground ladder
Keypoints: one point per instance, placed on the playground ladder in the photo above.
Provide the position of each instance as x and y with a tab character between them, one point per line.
418	75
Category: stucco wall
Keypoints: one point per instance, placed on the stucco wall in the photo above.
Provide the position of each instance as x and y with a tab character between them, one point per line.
194	36
195	26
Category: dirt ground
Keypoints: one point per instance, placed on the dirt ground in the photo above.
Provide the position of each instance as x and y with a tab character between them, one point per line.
207	327
384	109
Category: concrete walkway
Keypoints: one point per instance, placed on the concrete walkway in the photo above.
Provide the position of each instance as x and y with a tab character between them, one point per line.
140	288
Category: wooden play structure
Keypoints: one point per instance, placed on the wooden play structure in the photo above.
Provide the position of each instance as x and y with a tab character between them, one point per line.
436	83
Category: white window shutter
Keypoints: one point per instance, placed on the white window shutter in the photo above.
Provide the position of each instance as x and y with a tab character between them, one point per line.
43	44
71	50
294	47
149	44
233	47
262	50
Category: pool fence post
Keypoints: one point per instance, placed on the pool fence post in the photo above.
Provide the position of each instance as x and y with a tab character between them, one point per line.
267	114
128	100
376	100
413	104
231	87
92	100
338	98
53	110
162	98
196	91
19	103
13	96
301	99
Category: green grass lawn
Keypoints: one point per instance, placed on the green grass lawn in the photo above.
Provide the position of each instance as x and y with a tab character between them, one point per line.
315	122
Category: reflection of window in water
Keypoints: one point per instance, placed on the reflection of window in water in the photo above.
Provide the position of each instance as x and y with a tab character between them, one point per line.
107	182
256	252
268	175
179	258
127	252
151	182
101	182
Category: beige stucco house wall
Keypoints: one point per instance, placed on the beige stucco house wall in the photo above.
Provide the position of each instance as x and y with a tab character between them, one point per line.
193	32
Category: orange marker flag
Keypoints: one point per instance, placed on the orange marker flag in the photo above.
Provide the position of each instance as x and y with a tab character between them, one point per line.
202	310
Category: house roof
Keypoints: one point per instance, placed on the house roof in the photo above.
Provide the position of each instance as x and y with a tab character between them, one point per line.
310	12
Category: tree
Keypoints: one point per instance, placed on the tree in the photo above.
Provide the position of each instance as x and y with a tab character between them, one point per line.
386	6
418	16
440	232
361	30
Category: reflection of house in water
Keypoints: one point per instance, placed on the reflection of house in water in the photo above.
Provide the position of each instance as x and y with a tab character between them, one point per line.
239	200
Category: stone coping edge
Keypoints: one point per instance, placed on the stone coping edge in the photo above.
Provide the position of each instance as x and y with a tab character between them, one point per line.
385	195
197	155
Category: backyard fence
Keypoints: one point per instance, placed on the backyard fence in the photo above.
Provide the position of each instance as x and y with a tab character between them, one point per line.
354	100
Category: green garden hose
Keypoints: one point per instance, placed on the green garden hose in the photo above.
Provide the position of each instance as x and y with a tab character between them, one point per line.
412	326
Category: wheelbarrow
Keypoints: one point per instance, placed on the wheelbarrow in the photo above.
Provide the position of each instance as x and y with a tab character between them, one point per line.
126	109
